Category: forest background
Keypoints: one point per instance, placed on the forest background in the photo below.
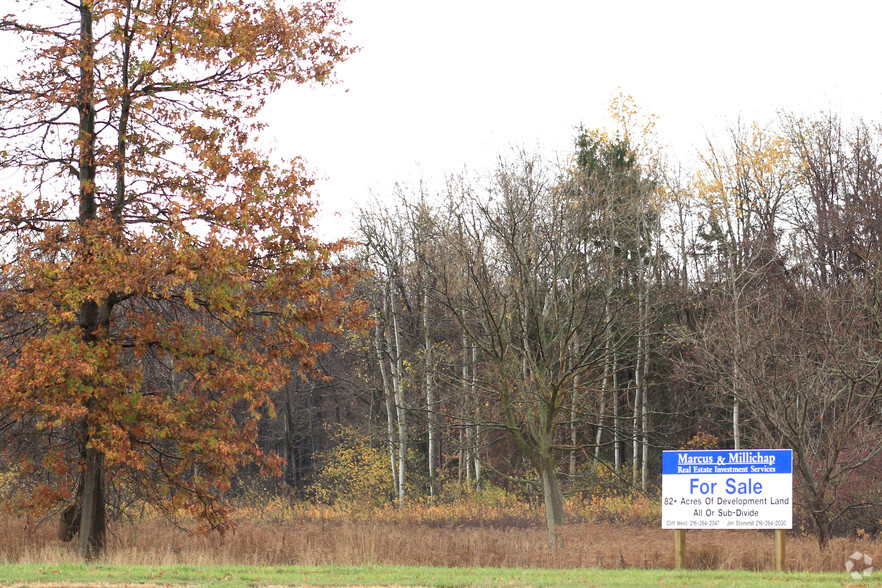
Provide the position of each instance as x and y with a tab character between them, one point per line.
583	317
536	334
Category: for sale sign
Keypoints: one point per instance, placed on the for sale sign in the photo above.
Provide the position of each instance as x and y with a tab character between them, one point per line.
738	489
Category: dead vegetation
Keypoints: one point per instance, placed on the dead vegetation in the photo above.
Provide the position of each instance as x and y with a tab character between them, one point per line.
325	539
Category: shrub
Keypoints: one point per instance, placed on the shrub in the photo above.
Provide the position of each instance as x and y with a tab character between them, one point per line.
353	472
634	510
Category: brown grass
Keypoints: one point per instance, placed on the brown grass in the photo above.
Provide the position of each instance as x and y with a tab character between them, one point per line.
443	541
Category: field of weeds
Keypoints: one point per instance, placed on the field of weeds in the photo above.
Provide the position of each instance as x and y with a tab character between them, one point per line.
491	530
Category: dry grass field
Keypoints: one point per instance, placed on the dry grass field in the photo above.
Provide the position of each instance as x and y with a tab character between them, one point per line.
466	534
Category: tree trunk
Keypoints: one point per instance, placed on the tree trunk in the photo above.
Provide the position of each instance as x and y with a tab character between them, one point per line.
86	107
393	342
736	422
736	375
617	443
387	395
290	450
640	394
468	457
92	526
465	435
822	526
608	373
476	429
635	427
644	473
598	439
644	426
92	514
476	455
553	500
643	350
461	461
573	433
430	396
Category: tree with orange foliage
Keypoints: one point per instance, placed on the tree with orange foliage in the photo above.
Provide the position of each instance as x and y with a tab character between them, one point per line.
159	276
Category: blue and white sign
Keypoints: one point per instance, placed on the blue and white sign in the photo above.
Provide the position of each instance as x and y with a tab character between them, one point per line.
737	489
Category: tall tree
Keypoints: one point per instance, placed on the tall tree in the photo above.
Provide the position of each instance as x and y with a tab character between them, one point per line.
744	192
791	329
388	252
840	180
518	280
811	375
610	187
160	266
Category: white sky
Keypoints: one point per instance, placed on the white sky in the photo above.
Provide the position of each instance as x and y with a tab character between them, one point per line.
445	84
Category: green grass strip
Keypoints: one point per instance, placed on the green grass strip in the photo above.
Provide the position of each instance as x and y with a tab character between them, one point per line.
235	576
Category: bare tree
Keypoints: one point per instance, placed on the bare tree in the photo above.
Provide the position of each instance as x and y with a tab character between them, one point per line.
386	248
523	286
811	376
743	190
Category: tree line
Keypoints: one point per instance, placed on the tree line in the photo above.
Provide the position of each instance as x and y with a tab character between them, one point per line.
546	320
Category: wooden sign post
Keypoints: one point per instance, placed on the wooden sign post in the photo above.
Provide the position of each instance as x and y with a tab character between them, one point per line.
679	548
780	550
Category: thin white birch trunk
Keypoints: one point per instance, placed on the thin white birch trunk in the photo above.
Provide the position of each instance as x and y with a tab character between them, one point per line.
641	372
635	426
387	395
393	343
644	400
644	469
465	458
736	375
608	371
617	435
645	416
430	395
476	438
461	463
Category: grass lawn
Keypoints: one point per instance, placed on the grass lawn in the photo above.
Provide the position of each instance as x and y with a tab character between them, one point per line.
233	576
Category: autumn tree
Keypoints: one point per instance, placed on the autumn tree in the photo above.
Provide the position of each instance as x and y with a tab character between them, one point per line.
610	190
158	272
744	190
387	253
396	242
790	328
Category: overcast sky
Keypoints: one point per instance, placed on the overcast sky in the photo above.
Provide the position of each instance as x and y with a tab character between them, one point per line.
445	84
